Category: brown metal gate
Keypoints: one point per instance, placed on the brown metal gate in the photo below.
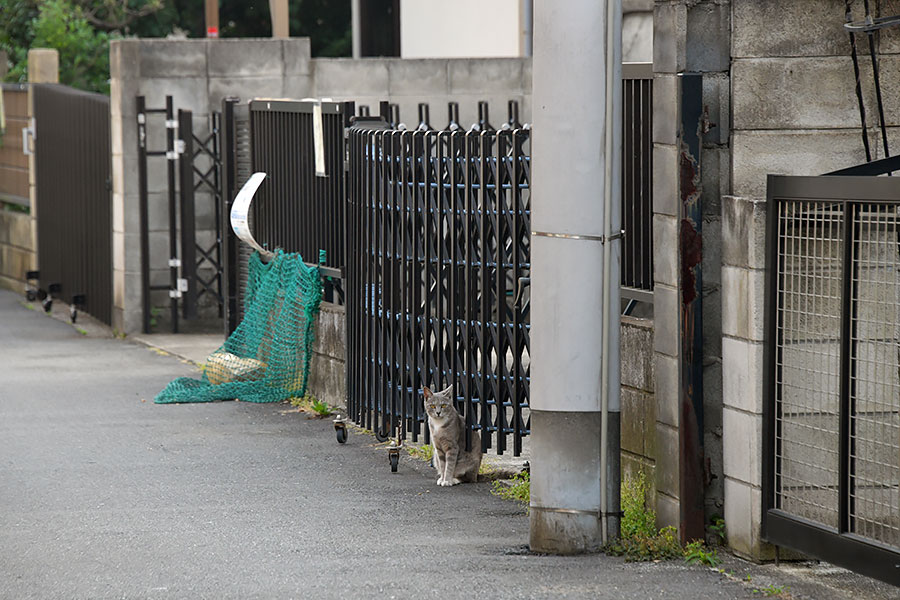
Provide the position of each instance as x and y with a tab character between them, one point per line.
74	208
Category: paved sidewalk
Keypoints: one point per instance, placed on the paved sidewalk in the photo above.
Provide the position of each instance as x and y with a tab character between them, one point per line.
105	495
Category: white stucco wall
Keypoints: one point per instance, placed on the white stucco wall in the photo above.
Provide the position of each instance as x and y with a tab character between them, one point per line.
459	29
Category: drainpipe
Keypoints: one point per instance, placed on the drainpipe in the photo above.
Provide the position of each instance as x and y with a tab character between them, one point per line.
575	274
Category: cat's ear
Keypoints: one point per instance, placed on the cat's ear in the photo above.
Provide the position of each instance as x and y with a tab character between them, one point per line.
426	391
448	392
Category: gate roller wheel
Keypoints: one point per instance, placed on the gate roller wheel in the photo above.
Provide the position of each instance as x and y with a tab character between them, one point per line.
341	435
395	461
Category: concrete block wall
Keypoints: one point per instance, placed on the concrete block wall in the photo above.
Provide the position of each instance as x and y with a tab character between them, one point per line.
435	81
793	111
689	37
327	371
198	74
639	411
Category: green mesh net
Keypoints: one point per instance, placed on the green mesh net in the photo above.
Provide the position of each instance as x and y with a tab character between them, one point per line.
266	359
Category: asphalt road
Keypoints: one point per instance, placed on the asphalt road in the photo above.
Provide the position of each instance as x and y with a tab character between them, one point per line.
105	495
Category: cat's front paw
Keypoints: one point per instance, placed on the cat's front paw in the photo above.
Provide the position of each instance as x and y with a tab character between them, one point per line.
440	481
453	481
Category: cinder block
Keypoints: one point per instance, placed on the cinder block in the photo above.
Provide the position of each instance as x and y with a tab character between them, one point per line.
297	56
238	58
667	460
743	303
636	347
794	93
666	320
715	180
668	388
637	37
743	533
168	59
669	37
666	108
665	250
242	87
758	153
742	445
189	93
343	77
773	28
486	75
125	59
711	261
665	180
668	511
708	43
717	101
634	405
422	76
298	86
743	232
742	375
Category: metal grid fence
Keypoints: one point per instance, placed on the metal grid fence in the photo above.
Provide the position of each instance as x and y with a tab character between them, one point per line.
832	413
438	242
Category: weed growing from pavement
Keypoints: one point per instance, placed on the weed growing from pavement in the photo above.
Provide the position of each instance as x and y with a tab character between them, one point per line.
310	403
717	527
697	553
639	538
425	452
518	490
775	591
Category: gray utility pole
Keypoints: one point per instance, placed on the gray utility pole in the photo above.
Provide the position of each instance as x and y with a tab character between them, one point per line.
575	250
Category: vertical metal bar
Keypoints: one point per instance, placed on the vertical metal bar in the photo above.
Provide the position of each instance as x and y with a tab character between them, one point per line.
877	79
849	321
173	226
690	434
416	271
229	262
517	374
468	287
848	13
500	301
188	233
484	256
144	210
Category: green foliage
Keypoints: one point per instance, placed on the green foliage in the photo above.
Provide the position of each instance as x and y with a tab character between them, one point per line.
697	553
424	452
519	491
639	539
638	519
717	527
83	51
320	408
776	591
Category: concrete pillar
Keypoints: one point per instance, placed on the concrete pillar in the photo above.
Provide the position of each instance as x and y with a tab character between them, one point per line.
280	18
576	169
43	65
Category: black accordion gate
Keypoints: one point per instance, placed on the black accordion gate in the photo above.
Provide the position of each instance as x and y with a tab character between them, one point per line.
437	271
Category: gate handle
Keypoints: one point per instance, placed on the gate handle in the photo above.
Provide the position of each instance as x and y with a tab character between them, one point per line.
26	150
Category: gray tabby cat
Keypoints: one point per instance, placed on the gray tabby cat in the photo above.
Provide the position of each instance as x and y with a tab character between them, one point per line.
448	437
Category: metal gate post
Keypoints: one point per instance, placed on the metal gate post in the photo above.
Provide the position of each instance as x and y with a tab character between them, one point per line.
143	210
188	218
690	431
230	256
171	156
